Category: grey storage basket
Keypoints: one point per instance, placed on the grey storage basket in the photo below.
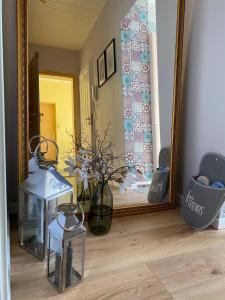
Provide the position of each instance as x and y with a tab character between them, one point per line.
202	203
164	157
160	182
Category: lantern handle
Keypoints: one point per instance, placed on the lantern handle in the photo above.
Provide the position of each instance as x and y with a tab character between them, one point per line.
46	141
35	137
77	226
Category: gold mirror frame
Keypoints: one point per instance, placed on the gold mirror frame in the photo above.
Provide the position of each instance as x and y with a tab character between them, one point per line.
23	113
22	88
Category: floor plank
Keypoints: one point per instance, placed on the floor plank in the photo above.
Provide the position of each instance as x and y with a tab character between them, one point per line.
151	256
199	275
151	221
136	282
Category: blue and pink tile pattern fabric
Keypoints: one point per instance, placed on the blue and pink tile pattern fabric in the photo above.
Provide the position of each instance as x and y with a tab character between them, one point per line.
137	88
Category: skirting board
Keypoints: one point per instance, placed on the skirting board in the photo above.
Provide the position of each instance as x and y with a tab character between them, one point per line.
219	223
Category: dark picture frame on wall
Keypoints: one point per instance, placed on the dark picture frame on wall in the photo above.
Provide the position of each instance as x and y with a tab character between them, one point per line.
101	67
110	55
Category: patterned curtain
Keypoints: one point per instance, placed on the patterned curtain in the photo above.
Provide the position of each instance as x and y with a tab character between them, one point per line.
137	88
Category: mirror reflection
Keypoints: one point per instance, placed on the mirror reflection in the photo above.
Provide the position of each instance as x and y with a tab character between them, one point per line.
99	64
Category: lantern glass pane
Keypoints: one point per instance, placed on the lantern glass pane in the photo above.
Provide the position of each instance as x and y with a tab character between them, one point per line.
53	203
55	254
74	260
32	231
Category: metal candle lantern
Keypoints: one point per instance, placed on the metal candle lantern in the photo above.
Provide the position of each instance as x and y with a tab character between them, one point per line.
66	248
40	194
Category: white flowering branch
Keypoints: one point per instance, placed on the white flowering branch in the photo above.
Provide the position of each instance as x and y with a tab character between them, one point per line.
97	162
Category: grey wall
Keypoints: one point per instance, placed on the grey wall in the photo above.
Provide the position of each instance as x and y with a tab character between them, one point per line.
204	87
110	97
10	82
56	60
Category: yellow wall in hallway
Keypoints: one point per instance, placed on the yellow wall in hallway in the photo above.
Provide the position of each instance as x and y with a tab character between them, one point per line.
59	90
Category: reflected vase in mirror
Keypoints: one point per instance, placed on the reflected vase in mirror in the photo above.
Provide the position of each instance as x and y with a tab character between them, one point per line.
100	215
84	196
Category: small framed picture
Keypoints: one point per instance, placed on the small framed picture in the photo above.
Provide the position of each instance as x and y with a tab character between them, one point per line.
101	66
110	54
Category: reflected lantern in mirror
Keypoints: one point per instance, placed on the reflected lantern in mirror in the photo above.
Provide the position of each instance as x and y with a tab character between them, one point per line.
66	248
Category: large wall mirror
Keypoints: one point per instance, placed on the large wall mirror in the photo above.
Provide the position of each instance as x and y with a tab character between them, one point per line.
84	66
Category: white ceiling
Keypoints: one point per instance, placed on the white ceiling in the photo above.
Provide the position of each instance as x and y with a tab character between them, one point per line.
62	23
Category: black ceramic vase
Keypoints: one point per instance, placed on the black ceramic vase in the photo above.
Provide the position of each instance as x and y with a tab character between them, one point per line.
100	215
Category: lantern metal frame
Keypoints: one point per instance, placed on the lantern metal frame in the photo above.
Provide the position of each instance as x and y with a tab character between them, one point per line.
65	241
45	222
63	266
45	170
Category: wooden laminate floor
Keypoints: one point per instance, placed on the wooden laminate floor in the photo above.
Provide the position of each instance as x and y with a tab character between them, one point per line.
153	256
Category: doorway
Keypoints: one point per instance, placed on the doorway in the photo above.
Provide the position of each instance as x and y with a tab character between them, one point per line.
86	118
57	120
48	126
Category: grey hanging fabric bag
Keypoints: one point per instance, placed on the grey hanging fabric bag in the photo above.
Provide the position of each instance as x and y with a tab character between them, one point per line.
160	183
202	203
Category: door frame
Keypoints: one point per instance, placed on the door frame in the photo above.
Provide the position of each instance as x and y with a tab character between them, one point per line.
93	128
76	103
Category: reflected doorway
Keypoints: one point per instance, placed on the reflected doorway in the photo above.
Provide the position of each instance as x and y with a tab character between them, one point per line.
57	120
48	126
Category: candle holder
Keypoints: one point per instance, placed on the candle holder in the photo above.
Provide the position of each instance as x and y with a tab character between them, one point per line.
66	248
40	194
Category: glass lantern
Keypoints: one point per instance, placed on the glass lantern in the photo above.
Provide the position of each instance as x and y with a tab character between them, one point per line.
40	194
66	248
